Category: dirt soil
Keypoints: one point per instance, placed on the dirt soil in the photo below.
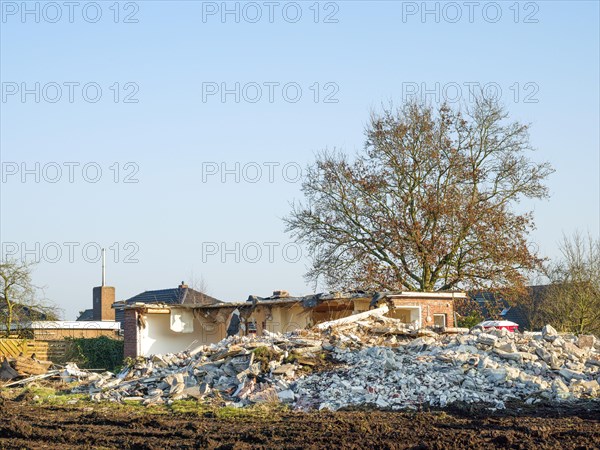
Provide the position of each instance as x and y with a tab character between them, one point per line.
25	424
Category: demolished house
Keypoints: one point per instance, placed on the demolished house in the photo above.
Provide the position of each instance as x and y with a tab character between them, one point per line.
152	328
361	360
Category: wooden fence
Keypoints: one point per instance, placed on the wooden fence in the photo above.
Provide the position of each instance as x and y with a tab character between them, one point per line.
55	351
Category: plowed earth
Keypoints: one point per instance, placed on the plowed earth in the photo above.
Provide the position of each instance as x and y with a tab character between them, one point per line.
25	424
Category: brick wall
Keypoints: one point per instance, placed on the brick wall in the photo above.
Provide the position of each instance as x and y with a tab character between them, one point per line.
103	298
131	333
429	308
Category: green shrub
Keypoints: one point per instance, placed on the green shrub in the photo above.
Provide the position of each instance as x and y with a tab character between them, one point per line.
469	321
98	353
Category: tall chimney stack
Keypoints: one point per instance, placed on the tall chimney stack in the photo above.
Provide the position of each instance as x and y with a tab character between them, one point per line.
103	297
103	267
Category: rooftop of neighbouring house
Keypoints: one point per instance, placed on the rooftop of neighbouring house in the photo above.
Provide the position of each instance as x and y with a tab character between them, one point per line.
86	315
181	295
24	312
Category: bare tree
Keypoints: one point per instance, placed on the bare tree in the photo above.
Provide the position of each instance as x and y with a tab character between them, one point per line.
427	206
200	285
20	300
572	301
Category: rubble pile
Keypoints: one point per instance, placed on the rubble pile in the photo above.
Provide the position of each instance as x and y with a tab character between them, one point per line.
238	370
491	367
376	364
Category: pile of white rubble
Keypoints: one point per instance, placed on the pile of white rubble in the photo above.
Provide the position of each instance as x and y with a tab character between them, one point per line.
490	367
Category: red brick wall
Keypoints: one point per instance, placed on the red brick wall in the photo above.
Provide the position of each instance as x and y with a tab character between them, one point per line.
429	308
130	333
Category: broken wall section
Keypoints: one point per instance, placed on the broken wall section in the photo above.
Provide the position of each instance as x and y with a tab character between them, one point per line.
152	333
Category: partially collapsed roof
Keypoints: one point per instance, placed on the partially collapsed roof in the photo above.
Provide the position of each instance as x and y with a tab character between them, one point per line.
307	301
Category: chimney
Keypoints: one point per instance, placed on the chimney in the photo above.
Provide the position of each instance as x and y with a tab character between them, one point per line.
103	267
103	297
182	285
281	294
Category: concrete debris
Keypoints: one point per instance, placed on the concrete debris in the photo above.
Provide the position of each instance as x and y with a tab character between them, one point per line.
286	396
549	333
73	373
487	339
237	370
372	361
586	341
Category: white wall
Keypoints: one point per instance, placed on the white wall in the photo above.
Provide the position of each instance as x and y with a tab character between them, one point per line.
157	337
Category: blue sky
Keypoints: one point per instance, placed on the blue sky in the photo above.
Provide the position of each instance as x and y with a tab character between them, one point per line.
146	106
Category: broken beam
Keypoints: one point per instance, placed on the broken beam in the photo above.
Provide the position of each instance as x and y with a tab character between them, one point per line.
353	318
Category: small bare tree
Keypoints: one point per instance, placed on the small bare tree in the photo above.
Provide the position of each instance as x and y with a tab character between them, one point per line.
200	285
20	299
572	301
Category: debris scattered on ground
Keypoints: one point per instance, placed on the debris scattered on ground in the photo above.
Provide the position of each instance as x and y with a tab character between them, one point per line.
371	362
49	374
30	366
20	366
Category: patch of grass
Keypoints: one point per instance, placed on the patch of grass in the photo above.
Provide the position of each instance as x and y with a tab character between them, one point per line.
132	404
318	360
190	407
50	397
44	395
266	412
231	413
42	392
25	394
264	355
443	416
131	407
64	399
291	358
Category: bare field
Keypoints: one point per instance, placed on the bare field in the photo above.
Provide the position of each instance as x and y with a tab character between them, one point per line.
25	423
